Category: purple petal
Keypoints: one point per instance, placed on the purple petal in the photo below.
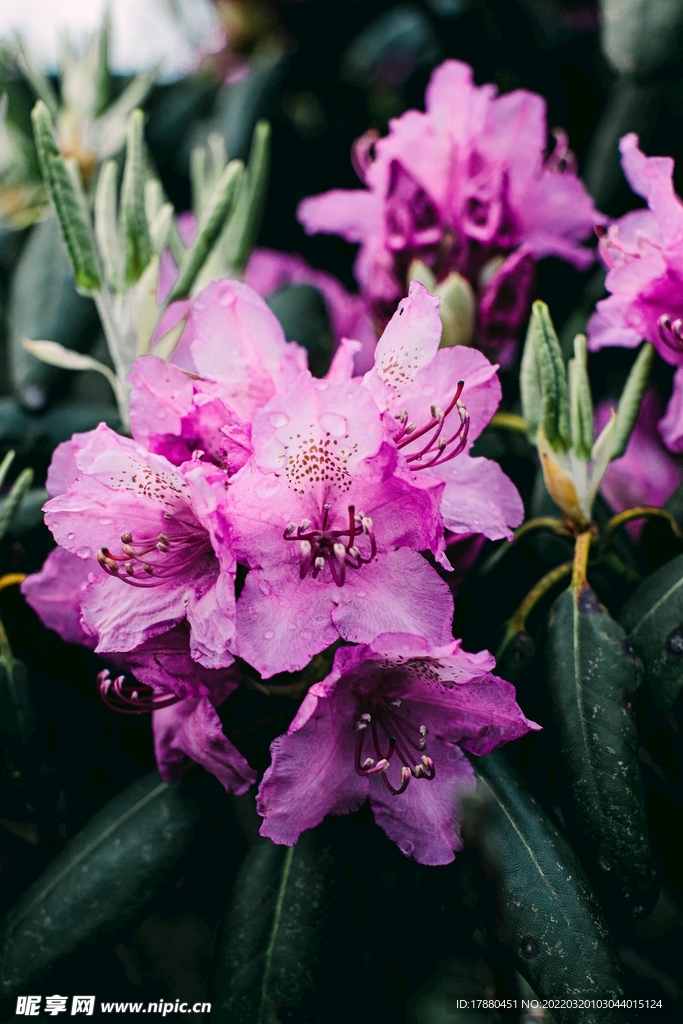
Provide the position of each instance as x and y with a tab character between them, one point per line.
55	594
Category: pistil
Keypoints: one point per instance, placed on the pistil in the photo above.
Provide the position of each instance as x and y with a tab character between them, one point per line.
383	723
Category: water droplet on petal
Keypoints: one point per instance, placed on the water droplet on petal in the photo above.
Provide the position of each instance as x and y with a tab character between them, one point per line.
70	536
268	635
278	419
106	522
405	846
334	424
320	385
84	552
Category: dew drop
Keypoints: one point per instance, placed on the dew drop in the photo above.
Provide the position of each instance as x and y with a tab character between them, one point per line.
334	424
674	641
605	865
70	536
106	522
405	846
320	385
84	552
529	946
268	635
278	419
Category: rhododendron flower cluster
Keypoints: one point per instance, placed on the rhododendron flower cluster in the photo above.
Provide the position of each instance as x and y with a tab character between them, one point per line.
334	496
643	252
464	188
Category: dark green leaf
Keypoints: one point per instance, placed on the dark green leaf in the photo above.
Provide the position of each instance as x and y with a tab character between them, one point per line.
272	935
592	676
103	877
301	310
44	304
653	620
39	435
550	918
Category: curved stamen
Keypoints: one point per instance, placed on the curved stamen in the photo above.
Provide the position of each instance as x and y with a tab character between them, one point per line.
149	561
132	699
337	549
671	333
395	729
438	449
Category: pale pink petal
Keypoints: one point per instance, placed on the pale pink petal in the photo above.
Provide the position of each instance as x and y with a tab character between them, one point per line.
479	498
55	594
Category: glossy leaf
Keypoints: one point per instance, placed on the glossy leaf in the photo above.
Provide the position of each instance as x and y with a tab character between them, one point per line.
550	918
545	400
45	304
272	934
653	620
102	877
592	676
580	400
134	229
631	397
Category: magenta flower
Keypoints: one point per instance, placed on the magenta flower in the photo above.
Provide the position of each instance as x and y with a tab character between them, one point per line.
436	402
331	524
182	697
463	187
160	540
232	358
56	594
268	270
390	723
644	255
647	474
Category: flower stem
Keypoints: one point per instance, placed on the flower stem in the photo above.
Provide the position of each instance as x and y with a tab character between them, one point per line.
517	623
642	512
580	563
558	526
509	421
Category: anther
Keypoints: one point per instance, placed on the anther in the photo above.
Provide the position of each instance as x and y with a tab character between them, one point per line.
126	538
305	548
368	763
128	566
340	553
148	568
305	525
319	563
290	529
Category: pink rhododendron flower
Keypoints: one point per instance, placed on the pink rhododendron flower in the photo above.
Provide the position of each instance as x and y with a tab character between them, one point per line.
160	541
56	594
436	403
183	697
463	187
644	255
233	357
389	724
647	474
268	270
331	524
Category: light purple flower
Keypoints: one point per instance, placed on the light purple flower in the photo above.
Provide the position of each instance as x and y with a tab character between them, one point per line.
56	593
331	523
232	358
389	724
463	187
647	474
644	255
161	543
268	270
436	402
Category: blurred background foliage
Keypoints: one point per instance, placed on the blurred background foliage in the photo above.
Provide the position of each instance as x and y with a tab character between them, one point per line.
322	72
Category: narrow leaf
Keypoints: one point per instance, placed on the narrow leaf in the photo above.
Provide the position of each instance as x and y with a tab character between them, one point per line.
54	354
68	201
631	397
580	401
112	125
104	876
653	620
41	86
249	211
11	504
272	934
134	230
106	226
550	918
207	235
592	677
5	465
530	383
551	371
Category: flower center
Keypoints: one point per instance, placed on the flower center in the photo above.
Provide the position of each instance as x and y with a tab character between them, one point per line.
337	548
150	561
437	449
134	699
385	725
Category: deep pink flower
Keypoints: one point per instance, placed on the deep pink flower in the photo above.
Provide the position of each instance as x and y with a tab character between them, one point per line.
232	358
268	270
463	187
160	540
331	523
390	723
647	474
436	403
182	697
644	255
